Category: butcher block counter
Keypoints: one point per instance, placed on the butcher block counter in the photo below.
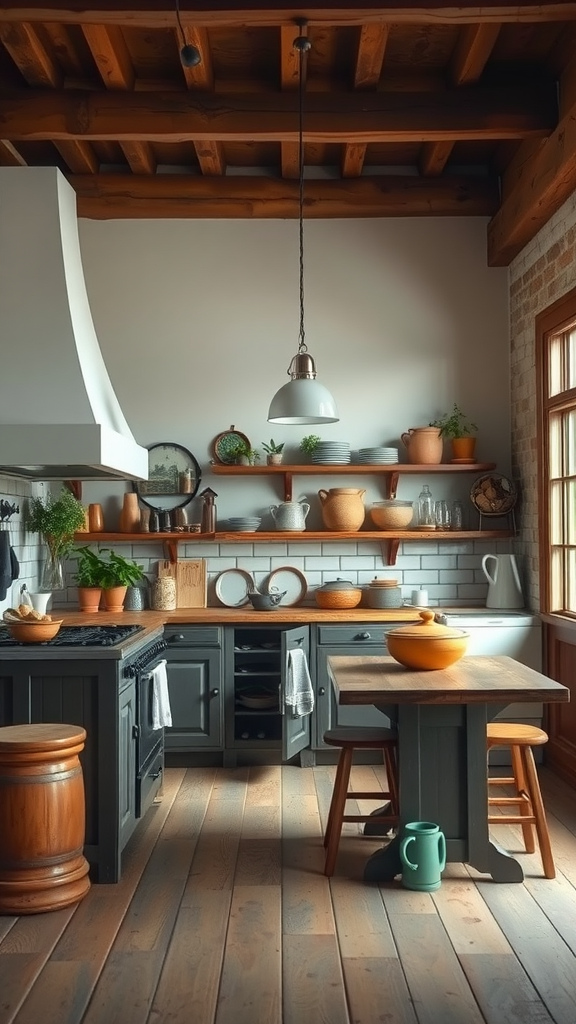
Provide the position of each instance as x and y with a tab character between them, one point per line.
241	616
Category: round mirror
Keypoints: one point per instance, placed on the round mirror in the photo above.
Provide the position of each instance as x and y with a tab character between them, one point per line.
173	477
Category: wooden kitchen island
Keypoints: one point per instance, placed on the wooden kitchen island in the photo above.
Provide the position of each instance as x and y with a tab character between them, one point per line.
441	718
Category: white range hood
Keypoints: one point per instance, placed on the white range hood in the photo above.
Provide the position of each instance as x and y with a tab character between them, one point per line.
59	416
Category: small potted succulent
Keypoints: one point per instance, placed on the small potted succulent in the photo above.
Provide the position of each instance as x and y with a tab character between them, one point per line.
244	455
460	430
273	452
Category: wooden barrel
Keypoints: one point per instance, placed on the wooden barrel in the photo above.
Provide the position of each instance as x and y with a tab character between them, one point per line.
42	818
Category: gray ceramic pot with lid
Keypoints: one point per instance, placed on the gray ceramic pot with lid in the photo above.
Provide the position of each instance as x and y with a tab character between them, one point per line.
338	593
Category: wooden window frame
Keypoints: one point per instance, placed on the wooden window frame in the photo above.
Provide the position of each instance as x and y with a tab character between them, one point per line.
551	322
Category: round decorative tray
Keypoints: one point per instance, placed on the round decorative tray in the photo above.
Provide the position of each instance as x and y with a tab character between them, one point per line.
493	495
291	581
224	444
232	586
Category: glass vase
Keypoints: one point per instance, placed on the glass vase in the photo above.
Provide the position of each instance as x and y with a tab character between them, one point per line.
52	577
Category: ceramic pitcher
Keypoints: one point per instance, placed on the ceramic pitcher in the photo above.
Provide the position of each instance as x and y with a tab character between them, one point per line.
290	515
504	590
424	444
423	856
342	508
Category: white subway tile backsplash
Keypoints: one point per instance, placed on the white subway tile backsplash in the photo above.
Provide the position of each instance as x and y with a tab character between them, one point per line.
439	561
305	550
456	576
421	577
358	562
323	564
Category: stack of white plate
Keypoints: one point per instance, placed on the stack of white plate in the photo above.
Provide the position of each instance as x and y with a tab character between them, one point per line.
329	453
377	456
244	524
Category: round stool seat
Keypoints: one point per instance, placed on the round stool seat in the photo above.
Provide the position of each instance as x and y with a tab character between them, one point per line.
362	736
508	733
42	818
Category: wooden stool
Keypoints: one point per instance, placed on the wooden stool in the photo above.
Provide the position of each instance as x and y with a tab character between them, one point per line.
350	739
528	798
42	818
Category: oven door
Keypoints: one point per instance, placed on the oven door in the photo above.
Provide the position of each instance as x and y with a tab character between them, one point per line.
150	742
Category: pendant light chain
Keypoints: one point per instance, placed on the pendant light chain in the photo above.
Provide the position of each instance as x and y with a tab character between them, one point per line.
302	44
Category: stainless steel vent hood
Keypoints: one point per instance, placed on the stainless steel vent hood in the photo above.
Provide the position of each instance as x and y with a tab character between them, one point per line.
59	416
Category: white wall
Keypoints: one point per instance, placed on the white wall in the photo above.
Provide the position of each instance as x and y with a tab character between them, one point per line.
198	321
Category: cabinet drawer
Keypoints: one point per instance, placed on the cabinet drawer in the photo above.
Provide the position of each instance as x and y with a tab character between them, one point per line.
193	636
362	634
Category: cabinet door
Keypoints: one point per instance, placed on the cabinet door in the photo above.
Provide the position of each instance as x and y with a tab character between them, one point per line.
296	730
345	640
194	686
127	763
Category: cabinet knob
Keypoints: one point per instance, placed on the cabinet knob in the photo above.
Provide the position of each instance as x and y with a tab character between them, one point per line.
321	691
175	638
363	636
215	692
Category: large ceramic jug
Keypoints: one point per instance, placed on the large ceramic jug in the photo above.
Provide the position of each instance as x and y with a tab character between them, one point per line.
423	856
290	515
424	445
504	590
342	508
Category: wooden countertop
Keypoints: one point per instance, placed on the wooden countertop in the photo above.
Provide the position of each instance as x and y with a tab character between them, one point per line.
244	616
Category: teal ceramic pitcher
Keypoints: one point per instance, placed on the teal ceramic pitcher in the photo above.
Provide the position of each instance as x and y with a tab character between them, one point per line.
423	856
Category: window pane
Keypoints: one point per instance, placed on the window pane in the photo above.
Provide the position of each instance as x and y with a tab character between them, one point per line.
555	365
571	512
571	581
556	513
571	383
556	580
555	445
570	441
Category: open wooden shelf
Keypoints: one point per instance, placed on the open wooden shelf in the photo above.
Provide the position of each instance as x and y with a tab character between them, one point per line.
390	474
390	540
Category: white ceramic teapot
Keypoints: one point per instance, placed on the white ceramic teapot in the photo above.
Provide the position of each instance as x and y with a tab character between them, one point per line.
290	515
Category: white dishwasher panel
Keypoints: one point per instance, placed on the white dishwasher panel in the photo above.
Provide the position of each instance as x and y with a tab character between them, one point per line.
513	634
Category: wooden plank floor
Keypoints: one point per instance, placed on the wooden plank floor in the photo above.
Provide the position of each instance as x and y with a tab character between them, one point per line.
223	916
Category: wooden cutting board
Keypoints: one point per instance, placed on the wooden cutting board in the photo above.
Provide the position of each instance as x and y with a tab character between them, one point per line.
190	576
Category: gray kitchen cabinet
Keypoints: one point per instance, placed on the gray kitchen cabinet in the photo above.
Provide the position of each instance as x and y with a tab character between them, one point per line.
259	726
194	668
355	639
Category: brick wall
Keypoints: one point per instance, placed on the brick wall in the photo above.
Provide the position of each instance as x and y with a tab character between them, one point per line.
543	272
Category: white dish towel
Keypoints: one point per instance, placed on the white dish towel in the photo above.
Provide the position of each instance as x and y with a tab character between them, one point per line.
161	713
299	695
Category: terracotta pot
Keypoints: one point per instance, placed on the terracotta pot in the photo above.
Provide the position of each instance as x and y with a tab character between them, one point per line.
427	645
114	598
463	448
89	599
424	444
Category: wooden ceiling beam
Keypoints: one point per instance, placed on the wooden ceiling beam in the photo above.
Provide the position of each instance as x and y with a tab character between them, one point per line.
474	46
155	14
31	56
9	155
536	183
356	117
289	81
369	63
107	196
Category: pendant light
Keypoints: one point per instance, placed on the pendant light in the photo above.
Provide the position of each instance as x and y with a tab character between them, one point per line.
189	55
303	399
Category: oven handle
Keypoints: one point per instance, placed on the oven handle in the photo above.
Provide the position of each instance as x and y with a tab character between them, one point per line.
145	660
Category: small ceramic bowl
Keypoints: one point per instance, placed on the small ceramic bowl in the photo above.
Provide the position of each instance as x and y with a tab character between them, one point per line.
265	602
427	644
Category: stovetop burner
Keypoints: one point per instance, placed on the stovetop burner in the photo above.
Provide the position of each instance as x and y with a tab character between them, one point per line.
81	636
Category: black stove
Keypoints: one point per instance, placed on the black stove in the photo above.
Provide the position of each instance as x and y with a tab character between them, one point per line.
81	636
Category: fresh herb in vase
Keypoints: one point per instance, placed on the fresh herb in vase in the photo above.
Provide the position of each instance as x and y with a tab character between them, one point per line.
57	518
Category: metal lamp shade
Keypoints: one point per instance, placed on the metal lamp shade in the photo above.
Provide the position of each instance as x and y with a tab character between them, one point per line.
303	401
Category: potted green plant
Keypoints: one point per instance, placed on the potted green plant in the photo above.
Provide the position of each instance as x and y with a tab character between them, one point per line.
309	444
459	429
88	578
117	574
273	452
57	518
243	454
